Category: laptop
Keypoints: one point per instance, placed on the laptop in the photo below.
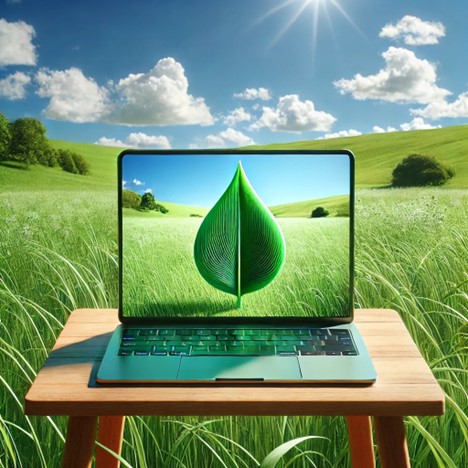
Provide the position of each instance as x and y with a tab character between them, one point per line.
236	266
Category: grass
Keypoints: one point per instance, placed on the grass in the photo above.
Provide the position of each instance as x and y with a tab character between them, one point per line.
160	276
337	205
59	252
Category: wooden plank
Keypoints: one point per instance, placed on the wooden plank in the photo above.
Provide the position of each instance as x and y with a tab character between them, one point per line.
190	400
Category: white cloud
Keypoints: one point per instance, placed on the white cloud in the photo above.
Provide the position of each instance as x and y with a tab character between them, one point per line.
414	31
405	79
149	190
142	140
137	140
104	141
236	116
377	129
293	115
159	97
250	94
340	134
417	124
124	184
13	87
16	47
137	182
73	96
444	109
227	138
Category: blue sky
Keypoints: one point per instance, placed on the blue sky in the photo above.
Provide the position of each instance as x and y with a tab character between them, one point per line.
211	73
201	180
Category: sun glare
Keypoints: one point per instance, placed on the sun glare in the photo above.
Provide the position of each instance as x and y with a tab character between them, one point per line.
315	8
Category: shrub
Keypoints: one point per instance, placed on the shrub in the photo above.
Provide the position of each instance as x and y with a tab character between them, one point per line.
161	208
147	202
130	199
319	212
72	162
418	170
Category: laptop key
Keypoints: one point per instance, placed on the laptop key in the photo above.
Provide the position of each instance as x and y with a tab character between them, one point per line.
179	351
125	352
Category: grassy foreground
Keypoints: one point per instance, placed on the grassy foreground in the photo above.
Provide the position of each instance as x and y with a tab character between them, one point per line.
159	255
59	252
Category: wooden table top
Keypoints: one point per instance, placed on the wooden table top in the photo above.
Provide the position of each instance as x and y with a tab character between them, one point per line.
66	384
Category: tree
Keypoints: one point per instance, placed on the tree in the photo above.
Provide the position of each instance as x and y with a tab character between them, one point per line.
130	199
28	144
417	170
148	202
5	137
319	212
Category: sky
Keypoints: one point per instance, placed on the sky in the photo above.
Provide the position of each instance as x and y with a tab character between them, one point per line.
201	180
211	73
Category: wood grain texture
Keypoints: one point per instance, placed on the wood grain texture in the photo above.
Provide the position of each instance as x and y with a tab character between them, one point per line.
66	384
391	442
360	441
110	435
79	445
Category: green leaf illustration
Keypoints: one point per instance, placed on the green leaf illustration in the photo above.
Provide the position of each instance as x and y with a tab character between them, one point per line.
239	247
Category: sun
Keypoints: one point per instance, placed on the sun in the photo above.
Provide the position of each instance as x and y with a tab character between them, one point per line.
315	8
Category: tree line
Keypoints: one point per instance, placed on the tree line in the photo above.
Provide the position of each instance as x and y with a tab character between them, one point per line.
24	141
145	202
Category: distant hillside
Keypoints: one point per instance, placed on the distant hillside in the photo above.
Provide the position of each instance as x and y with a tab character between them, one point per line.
376	156
335	205
175	209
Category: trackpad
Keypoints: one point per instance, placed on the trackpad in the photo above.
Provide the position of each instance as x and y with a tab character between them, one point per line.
239	368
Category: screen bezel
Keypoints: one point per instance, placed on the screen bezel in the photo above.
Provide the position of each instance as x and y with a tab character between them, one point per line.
213	321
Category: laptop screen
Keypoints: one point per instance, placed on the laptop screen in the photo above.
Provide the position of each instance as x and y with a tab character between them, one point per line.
235	234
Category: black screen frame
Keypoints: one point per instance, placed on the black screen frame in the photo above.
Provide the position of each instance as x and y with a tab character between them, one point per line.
261	321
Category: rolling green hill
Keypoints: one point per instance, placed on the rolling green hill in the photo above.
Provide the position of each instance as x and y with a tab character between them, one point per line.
175	209
335	205
376	156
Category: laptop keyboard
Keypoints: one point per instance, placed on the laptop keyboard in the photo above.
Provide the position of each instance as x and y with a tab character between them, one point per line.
236	342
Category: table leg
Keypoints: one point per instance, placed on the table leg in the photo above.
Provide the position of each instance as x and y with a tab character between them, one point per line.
79	445
110	435
360	441
391	442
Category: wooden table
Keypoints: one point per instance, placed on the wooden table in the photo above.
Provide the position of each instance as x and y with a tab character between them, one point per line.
66	386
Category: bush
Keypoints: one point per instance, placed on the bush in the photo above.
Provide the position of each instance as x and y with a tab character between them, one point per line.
319	212
147	202
72	162
161	208
418	170
130	199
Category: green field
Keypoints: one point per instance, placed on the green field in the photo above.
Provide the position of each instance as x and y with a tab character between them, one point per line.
161	279
59	252
58	243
